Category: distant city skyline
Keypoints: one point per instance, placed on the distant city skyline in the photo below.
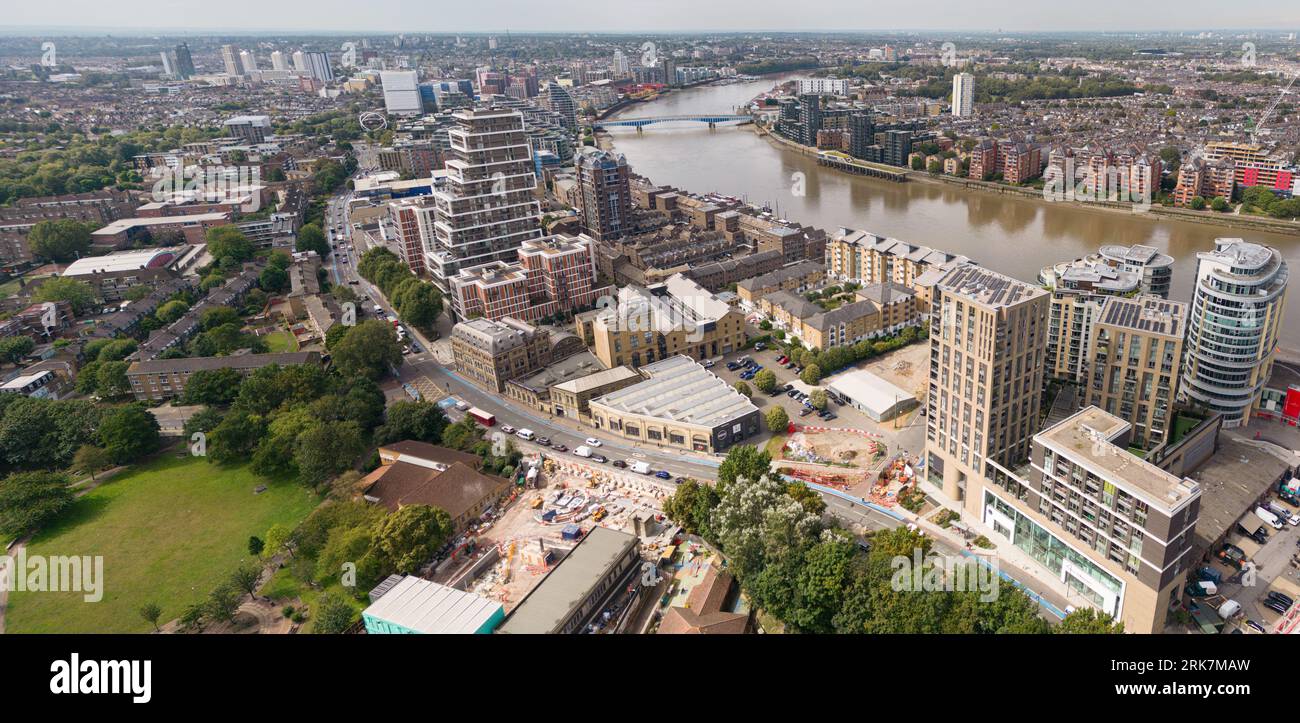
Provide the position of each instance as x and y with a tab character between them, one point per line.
498	16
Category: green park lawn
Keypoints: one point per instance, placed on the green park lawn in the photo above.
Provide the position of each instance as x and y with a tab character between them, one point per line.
280	341
169	531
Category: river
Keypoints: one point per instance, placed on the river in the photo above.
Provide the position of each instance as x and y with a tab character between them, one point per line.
1015	236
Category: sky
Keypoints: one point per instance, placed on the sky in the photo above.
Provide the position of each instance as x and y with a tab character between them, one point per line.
436	16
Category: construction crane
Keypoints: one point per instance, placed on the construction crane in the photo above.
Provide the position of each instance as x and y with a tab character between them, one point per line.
1272	107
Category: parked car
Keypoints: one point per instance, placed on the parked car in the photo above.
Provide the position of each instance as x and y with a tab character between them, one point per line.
592	442
1276	606
1255	626
759	346
707	363
805	411
732	366
462	406
544	441
679	480
661	474
792	393
507	429
620	464
599	458
1284	599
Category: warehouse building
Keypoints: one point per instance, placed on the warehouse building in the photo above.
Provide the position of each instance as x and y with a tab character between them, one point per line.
414	606
875	397
603	564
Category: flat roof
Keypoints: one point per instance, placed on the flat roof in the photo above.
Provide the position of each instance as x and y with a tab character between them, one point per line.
433	609
871	391
1150	314
988	287
553	599
598	379
122	224
1087	437
1231	480
681	390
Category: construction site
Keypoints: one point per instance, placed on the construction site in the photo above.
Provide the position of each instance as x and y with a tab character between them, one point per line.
560	502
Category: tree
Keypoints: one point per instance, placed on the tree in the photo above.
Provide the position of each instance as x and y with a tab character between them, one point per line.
43	433
1197	203
273	280
116	350
333	616
415	420
28	500
212	387
215	316
150	613
246	578
129	433
777	420
91	459
368	350
806	497
1088	621
419	304
229	242
1219	204
223	603
818	399
64	288
743	388
409	537
235	438
327	449
255	546
312	238
811	375
743	460
14	348
277	538
765	380
111	380
171	311
59	240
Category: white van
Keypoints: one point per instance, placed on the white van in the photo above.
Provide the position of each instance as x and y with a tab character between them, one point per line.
1283	513
639	467
583	451
526	435
1268	517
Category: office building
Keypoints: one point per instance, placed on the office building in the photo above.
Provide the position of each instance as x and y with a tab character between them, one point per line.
487	208
1236	319
605	194
987	339
652	323
1134	355
681	405
401	92
963	95
490	353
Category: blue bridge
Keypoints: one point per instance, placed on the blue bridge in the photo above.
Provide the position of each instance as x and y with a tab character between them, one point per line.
642	122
